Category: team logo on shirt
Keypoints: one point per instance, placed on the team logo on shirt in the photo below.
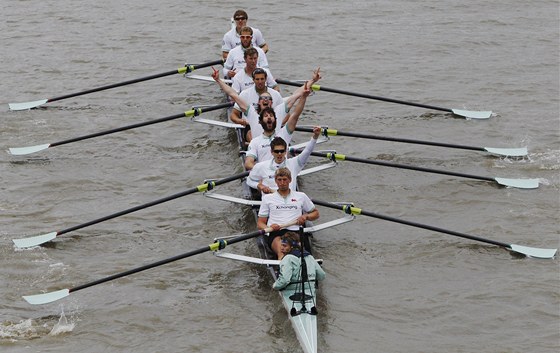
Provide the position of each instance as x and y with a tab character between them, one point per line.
286	207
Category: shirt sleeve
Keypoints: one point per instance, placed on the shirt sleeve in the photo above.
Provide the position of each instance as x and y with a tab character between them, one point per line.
285	275
303	156
264	209
253	179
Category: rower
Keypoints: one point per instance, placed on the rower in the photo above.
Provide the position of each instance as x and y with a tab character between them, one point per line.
290	264
231	38
235	61
252	100
283	206
244	78
259	147
262	176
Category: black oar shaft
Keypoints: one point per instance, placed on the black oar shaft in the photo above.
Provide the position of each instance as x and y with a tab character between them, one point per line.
181	70
192	112
334	132
368	96
355	210
211	247
402	166
200	188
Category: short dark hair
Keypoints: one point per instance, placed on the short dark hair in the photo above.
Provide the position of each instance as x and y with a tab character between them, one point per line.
278	141
250	52
259	70
267	110
240	13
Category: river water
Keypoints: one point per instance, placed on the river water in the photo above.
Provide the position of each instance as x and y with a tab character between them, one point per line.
389	287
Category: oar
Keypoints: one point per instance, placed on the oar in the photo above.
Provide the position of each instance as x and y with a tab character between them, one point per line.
40	239
527	251
465	113
17	151
515	183
45	298
182	70
509	152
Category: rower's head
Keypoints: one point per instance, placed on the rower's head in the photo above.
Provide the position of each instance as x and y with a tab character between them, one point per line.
259	78
283	178
251	56
246	35
289	241
278	148
240	17
267	117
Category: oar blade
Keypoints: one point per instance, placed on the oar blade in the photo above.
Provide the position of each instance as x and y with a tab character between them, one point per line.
20	151
27	105
470	114
534	252
34	241
508	152
518	183
45	298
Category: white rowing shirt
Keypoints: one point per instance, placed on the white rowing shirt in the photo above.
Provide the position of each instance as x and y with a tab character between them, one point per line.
236	60
259	148
281	210
264	171
242	80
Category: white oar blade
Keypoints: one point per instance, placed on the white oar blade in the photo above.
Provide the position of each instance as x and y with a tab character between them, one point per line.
20	151
519	183
34	241
27	105
534	252
509	152
45	298
472	114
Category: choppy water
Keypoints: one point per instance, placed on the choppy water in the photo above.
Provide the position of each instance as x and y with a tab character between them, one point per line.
390	287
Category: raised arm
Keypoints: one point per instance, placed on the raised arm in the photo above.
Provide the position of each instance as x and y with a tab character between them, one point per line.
307	86
293	117
229	91
302	158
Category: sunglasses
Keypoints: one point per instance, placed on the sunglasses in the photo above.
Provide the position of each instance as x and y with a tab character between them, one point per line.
245	36
278	151
240	18
266	98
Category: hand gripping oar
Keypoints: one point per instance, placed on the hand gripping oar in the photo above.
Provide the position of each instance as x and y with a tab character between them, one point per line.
40	239
509	152
514	183
465	113
18	151
182	70
217	245
527	251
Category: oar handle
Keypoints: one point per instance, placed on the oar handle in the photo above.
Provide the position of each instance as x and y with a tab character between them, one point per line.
368	96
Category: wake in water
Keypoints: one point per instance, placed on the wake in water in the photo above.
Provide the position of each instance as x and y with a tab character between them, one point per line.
35	328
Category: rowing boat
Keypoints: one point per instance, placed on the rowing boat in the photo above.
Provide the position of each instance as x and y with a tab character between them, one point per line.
299	299
299	304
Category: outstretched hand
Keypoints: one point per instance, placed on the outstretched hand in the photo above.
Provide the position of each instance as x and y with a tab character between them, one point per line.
316	75
215	74
316	132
